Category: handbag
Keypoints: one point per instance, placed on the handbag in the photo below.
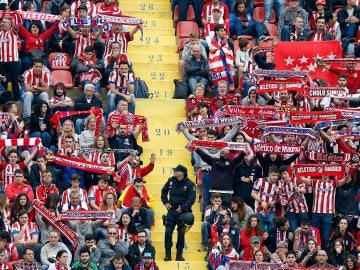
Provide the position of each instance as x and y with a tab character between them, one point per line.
181	89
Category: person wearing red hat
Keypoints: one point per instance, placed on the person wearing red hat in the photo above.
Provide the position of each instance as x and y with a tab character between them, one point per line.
320	11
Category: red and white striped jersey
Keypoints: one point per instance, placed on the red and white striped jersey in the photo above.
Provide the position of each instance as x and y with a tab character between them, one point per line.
120	83
96	194
8	171
208	8
9	46
267	192
40	81
71	207
6	266
29	232
106	9
121	57
95	157
81	42
123	38
92	13
296	201
66	196
324	196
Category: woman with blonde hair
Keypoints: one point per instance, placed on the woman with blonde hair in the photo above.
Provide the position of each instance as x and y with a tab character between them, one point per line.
87	136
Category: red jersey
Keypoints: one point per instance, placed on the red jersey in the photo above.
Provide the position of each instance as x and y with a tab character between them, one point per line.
128	238
42	192
353	77
6	266
96	194
7	173
8	46
12	190
90	7
120	83
31	231
40	80
95	157
324	196
81	42
267	192
66	196
123	38
106	9
296	201
121	57
129	174
208	8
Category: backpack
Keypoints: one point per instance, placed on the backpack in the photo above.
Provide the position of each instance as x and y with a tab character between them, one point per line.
141	90
181	89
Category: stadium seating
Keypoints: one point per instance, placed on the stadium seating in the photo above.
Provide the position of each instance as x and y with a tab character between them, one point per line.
184	29
59	60
63	76
190	16
259	15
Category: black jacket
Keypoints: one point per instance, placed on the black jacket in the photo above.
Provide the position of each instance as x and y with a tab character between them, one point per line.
343	15
134	255
81	103
327	36
181	193
221	171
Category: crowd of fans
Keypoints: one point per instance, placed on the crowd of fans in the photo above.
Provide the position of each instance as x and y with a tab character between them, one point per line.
256	207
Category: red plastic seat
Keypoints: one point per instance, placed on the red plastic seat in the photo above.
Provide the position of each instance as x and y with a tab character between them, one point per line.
273	30
184	29
59	60
190	15
259	15
182	44
63	76
337	11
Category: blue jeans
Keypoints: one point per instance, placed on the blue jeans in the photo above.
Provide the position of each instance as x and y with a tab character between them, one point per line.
295	219
183	8
267	221
205	228
323	223
230	4
285	33
30	98
194	80
113	100
45	137
348	32
254	28
268	6
206	176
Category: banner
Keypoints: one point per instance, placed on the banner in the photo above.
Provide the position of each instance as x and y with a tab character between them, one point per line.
345	112
130	120
21	142
321	92
278	73
208	123
55	118
245	147
267	86
85	215
290	130
59	225
252	265
312	117
303	56
329	157
81	164
325	124
268	112
30	15
274	148
318	170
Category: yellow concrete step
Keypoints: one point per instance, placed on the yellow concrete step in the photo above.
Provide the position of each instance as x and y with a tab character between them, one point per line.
145	7
150	57
162	102
141	47
167	142
166	171
171	152
188	255
192	234
159	226
157	37
152	66
156	75
161	161
160	110
190	246
188	265
121	2
157	24
149	15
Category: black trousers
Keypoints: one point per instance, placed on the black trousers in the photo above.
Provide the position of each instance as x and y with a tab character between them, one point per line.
12	72
172	220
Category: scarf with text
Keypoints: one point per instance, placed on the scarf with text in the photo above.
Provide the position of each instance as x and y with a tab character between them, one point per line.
277	148
336	134
346	112
325	124
98	113
252	265
312	117
290	130
131	121
85	215
321	92
329	157
208	123
59	225
268	112
81	164
318	170
266	86
245	147
281	73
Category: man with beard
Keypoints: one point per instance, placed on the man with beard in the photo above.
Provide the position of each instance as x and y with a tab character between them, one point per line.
139	249
147	263
84	262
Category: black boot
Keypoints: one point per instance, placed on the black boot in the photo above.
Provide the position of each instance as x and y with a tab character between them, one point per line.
179	256
167	255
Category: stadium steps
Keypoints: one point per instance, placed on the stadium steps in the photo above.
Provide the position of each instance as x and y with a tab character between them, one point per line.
155	60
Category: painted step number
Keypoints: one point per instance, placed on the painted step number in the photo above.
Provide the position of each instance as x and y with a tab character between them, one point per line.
157	76
155	58
149	6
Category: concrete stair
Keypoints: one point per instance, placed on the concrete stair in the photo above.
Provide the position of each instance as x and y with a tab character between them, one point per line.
155	60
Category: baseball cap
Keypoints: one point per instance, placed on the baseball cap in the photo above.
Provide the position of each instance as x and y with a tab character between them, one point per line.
139	180
147	255
321	2
180	168
83	7
255	239
216	9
